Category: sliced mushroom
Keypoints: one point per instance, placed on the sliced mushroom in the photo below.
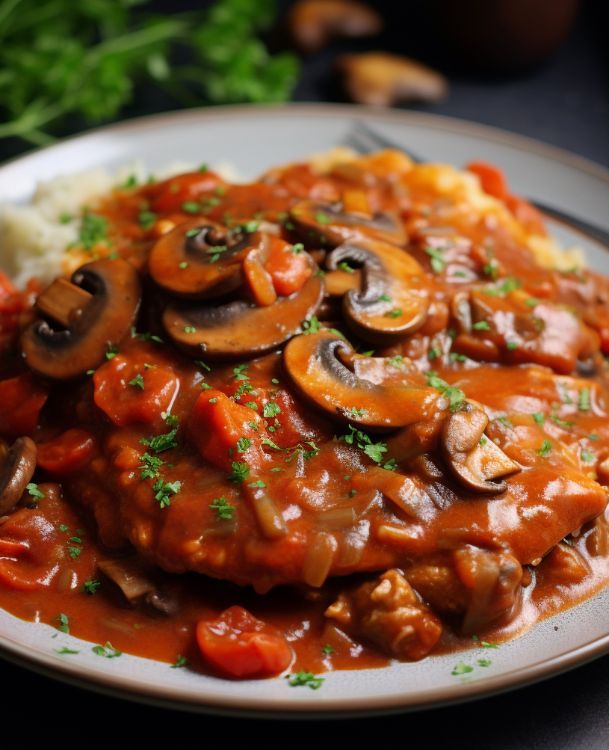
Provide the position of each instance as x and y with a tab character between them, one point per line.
475	460
314	23
393	301
239	329
333	225
88	315
381	79
312	363
201	259
16	470
135	585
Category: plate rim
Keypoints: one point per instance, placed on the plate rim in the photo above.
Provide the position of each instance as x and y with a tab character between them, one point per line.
135	689
316	109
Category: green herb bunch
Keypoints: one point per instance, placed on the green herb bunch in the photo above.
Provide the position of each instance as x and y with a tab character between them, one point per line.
62	60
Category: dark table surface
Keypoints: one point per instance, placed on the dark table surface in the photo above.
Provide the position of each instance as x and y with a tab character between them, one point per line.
566	103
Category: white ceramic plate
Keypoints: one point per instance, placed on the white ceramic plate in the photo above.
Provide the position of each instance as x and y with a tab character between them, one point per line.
253	139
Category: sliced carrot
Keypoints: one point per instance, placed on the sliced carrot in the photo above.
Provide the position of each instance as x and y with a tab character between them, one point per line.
491	178
67	452
289	268
22	399
171	195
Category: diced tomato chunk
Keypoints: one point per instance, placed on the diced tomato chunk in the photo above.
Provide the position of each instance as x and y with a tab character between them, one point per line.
129	392
33	547
526	214
67	452
239	645
217	424
21	399
288	269
171	194
491	178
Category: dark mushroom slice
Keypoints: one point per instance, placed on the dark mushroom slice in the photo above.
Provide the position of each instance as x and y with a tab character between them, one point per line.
314	366
201	259
240	329
329	221
392	301
136	585
89	314
475	460
16	470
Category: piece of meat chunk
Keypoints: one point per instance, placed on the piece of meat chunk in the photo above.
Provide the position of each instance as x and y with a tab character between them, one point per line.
388	612
480	586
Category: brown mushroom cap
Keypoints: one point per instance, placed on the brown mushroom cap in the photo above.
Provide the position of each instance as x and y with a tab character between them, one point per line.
381	79
201	259
110	296
392	302
16	470
316	220
475	460
240	329
312	363
313	23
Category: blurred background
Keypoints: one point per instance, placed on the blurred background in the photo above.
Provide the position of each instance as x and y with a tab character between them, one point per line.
536	67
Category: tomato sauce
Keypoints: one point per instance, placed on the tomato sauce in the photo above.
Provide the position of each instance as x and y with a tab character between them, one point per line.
419	457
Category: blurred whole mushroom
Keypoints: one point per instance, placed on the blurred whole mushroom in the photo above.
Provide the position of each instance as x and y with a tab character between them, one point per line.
381	79
314	23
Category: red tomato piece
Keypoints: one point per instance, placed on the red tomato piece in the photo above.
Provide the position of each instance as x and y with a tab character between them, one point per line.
288	270
526	214
32	546
67	452
491	178
239	645
217	424
21	398
171	194
128	392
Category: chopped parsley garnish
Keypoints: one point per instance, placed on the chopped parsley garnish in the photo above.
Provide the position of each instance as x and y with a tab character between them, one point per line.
66	650
183	265
239	472
161	443
587	456
91	586
34	491
259	484
150	466
564	423
306	454
164	491
107	650
111	352
270	443
63	623
307	679
312	325
354	413
322	218
539	417
138	381
243	444
454	395
511	345
181	661
93	231
191	207
190	329
583	400
461	668
74	551
271	409
327	649
433	353
481	325
383	298
484	662
224	510
545	449
146	219
438	263
374	451
146	337
506	286
397	312
344	266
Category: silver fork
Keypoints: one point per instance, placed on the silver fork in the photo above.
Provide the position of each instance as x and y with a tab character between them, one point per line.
363	139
